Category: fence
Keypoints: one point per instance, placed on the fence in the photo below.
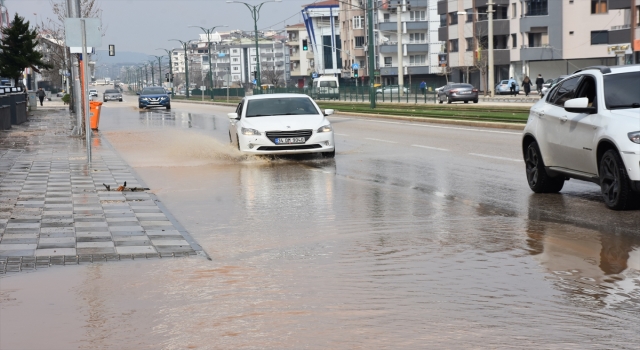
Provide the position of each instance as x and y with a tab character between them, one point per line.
389	93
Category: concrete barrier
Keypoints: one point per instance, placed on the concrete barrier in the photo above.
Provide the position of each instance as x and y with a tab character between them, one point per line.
21	112
5	117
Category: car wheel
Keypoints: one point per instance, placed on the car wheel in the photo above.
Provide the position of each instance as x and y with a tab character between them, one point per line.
168	106
120	100
615	184
440	100
466	101
537	177
475	101
449	100
331	154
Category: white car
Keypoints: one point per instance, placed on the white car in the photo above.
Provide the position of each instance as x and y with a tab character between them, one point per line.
93	93
281	124
588	128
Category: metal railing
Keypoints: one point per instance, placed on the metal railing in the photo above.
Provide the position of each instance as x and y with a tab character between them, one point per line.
390	93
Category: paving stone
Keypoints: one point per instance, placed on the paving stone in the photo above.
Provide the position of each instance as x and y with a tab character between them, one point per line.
55	252
135	250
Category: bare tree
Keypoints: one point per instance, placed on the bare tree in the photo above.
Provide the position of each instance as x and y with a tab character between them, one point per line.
272	75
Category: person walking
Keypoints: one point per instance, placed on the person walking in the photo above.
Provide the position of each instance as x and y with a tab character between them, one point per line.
526	84
539	83
41	95
512	86
423	87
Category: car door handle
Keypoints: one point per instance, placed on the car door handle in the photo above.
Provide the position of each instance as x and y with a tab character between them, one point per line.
539	114
563	119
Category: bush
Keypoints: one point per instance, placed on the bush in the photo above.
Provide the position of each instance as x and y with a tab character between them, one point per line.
66	98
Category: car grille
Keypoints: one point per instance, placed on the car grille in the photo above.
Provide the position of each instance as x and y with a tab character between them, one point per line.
273	135
284	148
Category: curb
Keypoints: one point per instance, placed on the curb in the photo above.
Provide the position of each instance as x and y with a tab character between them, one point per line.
480	124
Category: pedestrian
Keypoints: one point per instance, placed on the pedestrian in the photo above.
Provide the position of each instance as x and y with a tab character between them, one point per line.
423	87
512	86
539	83
41	95
526	84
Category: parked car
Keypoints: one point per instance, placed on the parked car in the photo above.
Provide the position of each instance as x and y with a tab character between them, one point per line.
326	87
503	88
93	93
458	92
154	96
588	128
281	124
551	83
391	90
112	95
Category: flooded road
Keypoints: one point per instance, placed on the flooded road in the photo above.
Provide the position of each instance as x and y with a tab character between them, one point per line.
415	236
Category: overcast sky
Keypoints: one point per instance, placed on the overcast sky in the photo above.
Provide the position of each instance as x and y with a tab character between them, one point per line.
144	25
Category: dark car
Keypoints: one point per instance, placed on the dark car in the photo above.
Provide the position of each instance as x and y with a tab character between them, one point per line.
154	96
112	95
458	92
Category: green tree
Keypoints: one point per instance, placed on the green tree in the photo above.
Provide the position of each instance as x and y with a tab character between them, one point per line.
18	50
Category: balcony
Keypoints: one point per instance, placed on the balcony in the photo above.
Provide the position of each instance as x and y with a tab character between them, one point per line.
539	53
417	25
500	56
388	26
443	34
620	36
389	48
483	3
500	27
417	48
442	7
619	4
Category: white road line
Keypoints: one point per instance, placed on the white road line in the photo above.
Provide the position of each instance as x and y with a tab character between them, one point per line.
434	148
335	133
380	140
494	157
332	117
444	127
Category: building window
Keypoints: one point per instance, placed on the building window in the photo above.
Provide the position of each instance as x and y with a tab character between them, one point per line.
443	20
236	77
514	41
469	15
598	6
386	18
470	45
417	38
418	15
388	61
418	60
514	10
235	69
235	59
359	42
453	18
453	45
599	37
537	8
358	22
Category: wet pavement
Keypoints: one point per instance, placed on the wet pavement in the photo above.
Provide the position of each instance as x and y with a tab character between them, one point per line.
415	236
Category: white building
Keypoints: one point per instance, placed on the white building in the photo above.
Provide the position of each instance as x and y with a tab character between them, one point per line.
323	30
301	61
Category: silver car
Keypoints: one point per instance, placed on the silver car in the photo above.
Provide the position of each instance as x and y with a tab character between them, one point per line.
551	83
391	90
112	95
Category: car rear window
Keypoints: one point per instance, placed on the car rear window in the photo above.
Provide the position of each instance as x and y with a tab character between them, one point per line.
463	86
280	106
621	90
112	92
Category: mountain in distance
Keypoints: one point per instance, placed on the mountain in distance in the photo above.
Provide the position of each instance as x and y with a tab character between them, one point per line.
123	57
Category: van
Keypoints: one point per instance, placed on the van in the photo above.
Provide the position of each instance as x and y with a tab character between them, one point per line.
326	87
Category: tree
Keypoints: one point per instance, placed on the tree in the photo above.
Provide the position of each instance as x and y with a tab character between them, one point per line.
272	75
18	50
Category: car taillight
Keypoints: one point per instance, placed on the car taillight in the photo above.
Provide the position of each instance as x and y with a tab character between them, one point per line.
454	91
474	90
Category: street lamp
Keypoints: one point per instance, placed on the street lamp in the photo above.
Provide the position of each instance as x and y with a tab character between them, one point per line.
255	13
159	58
186	64
208	32
153	78
170	69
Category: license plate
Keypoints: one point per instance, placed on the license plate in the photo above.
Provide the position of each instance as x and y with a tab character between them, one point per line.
154	103
465	92
289	140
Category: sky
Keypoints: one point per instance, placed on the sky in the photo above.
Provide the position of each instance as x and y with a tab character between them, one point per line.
145	25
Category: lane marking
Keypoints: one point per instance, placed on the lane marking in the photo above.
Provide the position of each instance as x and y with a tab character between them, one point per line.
429	147
495	157
366	138
444	127
335	133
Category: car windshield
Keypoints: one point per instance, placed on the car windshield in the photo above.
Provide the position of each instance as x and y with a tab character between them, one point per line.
112	92
504	82
153	91
328	84
621	90
280	106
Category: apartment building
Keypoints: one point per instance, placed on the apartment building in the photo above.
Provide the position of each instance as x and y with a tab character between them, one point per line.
301	60
353	35
4	17
418	36
323	29
548	37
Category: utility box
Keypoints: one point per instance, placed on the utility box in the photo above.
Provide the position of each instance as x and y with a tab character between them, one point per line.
32	100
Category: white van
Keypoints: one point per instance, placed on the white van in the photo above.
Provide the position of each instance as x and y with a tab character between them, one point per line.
326	87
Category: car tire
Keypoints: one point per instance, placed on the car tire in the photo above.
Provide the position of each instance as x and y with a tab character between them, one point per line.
466	101
331	154
120	100
168	107
449	100
440	100
475	101
615	184
537	177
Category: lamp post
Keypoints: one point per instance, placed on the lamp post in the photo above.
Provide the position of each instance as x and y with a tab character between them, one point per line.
490	83
186	64
208	32
159	58
255	13
371	51
170	70
153	78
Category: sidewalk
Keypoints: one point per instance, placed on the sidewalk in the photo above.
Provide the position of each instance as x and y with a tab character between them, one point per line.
55	210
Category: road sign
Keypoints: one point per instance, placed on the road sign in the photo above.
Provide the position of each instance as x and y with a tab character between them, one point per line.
112	50
73	32
255	82
376	73
314	75
220	54
355	66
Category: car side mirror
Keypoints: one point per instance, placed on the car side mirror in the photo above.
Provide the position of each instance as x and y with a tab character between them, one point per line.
328	112
232	115
579	105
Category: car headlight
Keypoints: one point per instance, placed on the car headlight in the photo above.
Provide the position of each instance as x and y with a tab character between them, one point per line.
325	128
634	136
246	131
144	99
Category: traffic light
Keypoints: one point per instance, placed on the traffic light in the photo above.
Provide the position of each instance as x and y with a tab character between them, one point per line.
355	73
305	47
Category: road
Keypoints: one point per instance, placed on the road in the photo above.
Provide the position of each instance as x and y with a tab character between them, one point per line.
415	236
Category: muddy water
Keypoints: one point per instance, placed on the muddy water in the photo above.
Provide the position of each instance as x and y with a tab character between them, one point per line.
360	252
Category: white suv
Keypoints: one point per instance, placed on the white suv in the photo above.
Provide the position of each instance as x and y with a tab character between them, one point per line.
588	128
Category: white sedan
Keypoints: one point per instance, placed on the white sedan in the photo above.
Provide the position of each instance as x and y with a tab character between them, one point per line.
281	124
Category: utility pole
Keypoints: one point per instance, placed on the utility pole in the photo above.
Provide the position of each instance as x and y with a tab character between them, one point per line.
159	58
399	10
490	12
186	62
371	50
170	69
73	11
153	78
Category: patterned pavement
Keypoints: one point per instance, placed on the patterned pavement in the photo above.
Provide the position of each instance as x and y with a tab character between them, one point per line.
54	207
